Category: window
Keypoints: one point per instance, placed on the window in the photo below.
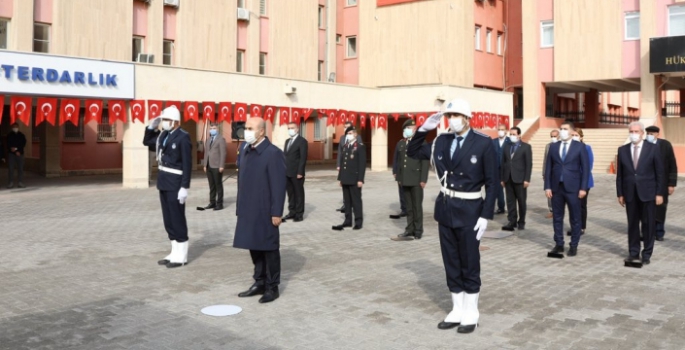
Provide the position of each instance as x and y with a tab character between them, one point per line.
321	14
547	34
4	32
320	72
262	63
351	2
488	40
241	4
239	61
351	46
632	26
41	37
74	133
338	38
138	47
477	35
262	7
303	128
499	43
676	20
106	131
317	129
168	52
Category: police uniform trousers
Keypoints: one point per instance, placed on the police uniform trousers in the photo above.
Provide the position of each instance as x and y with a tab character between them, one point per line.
413	197
174	214
352	200
461	257
560	200
216	187
516	196
267	267
295	189
641	218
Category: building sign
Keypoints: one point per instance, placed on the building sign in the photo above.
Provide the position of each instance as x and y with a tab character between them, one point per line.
46	75
667	54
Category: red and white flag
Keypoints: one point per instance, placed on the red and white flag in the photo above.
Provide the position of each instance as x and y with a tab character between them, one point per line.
342	116
307	112
93	111
191	111
372	120
208	111
284	115
46	110
362	120
225	109
352	117
332	114
383	121
296	114
320	113
168	104
154	108
504	120
269	113
69	111
137	110
395	116
117	110
240	114
420	119
256	111
20	109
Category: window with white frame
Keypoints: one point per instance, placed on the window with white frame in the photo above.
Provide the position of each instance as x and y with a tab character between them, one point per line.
676	20
499	43
241	4
547	34
317	128
321	16
168	52
632	26
488	40
477	35
138	47
351	46
262	63
4	32
262	7
41	37
320	72
351	2
239	57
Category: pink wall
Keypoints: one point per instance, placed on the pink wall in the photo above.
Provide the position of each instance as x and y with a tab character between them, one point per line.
242	36
91	154
42	11
488	65
6	8
631	5
139	18
322	44
662	16
347	69
631	59
263	34
545	10
169	23
546	64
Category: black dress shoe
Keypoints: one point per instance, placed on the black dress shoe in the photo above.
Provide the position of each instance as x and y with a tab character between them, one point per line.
522	226
211	206
572	251
418	235
340	227
403	214
509	227
558	249
254	290
269	296
404	237
395	216
357	227
219	207
289	216
162	262
447	325
298	219
466	329
341	209
645	261
660	239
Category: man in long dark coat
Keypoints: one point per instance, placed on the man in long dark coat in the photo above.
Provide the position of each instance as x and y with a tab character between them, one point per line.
670	174
261	194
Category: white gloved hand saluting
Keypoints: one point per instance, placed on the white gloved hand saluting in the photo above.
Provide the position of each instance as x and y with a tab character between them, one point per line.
431	123
154	123
182	195
481	226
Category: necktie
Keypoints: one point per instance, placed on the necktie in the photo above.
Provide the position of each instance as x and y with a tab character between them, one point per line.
287	147
211	142
635	155
166	138
513	150
457	148
563	152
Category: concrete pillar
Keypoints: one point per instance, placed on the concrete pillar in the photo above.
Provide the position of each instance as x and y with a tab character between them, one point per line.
50	150
649	107
379	149
21	31
592	109
136	159
533	91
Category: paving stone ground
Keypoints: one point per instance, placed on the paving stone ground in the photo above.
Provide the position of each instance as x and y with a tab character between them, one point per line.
78	271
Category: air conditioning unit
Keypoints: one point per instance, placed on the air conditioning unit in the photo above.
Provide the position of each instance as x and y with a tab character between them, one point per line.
243	14
173	3
289	90
145	58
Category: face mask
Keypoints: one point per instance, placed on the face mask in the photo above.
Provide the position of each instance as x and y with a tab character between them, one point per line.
501	133
513	139
457	124
166	125
15	130
250	136
554	139
349	137
651	138
291	132
407	133
635	138
564	134
576	138
212	132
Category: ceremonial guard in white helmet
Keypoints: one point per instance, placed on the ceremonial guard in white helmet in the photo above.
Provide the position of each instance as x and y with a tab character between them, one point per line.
174	158
464	161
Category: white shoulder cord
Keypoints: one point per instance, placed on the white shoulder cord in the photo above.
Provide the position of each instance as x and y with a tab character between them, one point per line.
157	150
442	180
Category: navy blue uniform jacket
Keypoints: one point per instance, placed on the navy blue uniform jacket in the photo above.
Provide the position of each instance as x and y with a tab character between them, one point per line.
176	154
475	167
261	195
649	177
575	168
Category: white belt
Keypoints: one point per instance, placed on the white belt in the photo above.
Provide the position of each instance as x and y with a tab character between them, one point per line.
171	170
462	195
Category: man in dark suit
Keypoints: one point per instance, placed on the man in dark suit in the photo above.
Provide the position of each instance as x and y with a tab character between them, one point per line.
499	143
259	207
640	183
351	179
670	173
517	166
465	161
175	161
214	162
295	161
566	182
411	174
554	136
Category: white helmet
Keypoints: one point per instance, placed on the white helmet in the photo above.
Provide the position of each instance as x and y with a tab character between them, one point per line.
458	106
171	113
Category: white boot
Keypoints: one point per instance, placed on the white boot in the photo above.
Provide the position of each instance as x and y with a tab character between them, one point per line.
180	258
469	320
167	258
453	319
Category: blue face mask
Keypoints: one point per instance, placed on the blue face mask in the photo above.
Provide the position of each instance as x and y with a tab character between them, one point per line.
408	133
212	132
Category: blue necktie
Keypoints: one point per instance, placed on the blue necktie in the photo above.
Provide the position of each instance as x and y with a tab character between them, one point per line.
166	138
563	152
456	148
513	150
211	142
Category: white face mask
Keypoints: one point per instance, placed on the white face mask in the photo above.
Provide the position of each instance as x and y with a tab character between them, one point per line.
166	125
651	138
576	138
292	132
554	140
635	138
513	139
349	137
457	124
501	133
408	132
15	130
564	134
250	136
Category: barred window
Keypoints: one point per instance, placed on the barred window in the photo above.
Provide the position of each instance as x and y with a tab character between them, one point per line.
74	133
317	129
106	131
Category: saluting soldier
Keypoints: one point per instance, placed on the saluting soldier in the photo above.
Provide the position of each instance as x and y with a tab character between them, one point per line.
411	175
351	179
464	161
174	158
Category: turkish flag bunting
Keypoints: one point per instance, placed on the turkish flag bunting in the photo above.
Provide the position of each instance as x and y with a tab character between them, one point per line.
383	121
362	120
69	111
421	118
307	113
491	120
352	117
372	120
256	110
93	111
240	114
445	122
208	111
173	103
296	114
116	110
320	113
20	109
477	120
504	120
137	110
396	116
46	110
342	116
410	116
191	111
225	112
284	115
331	113
269	113
154	108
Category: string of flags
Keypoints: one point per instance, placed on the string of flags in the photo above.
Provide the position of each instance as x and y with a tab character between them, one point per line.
70	110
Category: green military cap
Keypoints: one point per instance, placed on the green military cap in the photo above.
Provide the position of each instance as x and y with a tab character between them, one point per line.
409	122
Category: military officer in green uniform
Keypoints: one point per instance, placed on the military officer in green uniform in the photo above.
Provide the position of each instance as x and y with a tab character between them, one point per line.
411	174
